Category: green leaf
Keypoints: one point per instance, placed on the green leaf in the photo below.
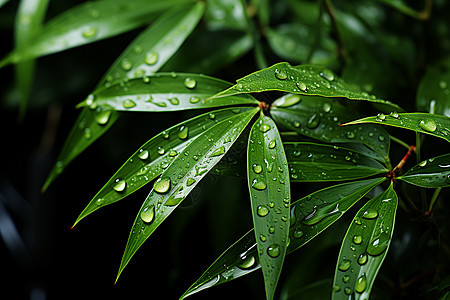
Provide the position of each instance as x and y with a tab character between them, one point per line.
433	95
303	79
90	125
242	257
3	2
319	118
150	160
365	246
90	22
268	180
310	162
155	45
436	125
165	92
431	173
28	24
226	14
181	176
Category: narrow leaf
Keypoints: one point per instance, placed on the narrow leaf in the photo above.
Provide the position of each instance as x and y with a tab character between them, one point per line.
150	160
268	180
303	79
365	246
436	125
90	125
242	257
319	118
155	45
431	173
90	22
183	174
229	14
165	92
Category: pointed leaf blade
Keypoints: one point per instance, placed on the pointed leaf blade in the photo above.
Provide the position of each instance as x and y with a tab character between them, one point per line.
192	164
231	265
303	79
365	246
150	160
431	173
436	125
268	180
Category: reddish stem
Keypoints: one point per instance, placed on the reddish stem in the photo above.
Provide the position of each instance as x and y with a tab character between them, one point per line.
405	158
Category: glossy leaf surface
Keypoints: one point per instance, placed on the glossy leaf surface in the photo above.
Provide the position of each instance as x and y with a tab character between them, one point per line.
166	92
155	45
319	118
436	125
181	176
150	160
365	246
89	126
90	22
268	180
431	173
303	79
242	257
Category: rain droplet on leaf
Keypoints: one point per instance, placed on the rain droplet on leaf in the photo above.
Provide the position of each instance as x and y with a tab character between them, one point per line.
428	124
262	210
120	185
162	185
143	154
148	214
273	250
190	83
151	58
259	184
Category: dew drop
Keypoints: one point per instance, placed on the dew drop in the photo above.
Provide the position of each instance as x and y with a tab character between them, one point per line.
361	284
128	103
102	116
258	184
428	124
161	150
345	265
247	262
143	154
378	245
263	238
313	122
362	259
296	124
100	201
357	239
148	214
190	181
162	185
298	234
174	101
394	114
264	127
272	144
126	64
219	151
350	135
327	74
87	133
347	291
302	86
262	210
151	58
326	107
89	32
370	214
119	185
212	116
183	132
280	74
345	279
257	168
194	99
190	83
273	250
380	117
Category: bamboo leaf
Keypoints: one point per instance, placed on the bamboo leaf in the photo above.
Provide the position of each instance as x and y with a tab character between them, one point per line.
431	173
150	160
319	118
181	176
155	45
242	257
28	24
435	125
89	126
268	180
365	246
303	79
165	92
90	22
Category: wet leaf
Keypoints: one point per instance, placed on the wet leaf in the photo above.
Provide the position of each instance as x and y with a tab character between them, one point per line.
90	22
152	158
165	92
365	246
430	173
319	118
303	79
435	125
230	264
181	176
268	180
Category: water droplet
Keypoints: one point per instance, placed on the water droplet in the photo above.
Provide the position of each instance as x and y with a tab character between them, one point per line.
345	279
423	163
148	214
126	64
336	288
190	181
327	74
271	229
151	58
263	238
357	239
380	117
288	100
350	135
161	150
247	262
212	116
370	214
313	121
318	214
442	84
119	185
190	83
272	144
326	107
394	114
143	154
381	138
174	101
280	74
302	86
128	103
378	245
362	259
345	265
162	185
298	234
262	210
259	184
194	99
347	158
173	153
89	32
183	132
297	124
273	250
428	124
264	127
100	201
218	151
347	291
361	284
102	116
